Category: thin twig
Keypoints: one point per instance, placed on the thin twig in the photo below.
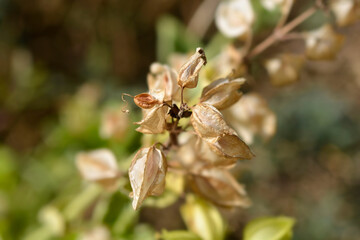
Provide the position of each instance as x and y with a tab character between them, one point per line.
281	32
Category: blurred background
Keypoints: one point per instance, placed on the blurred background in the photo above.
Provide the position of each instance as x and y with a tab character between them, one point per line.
64	63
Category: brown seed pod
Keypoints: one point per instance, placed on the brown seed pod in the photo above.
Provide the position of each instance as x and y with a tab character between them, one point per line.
222	93
189	72
154	122
220	187
145	101
147	174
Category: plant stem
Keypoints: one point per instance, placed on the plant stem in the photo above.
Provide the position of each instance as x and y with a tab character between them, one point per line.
182	96
278	34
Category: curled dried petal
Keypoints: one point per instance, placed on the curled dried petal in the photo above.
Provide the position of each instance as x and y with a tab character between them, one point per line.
147	174
189	72
145	101
220	187
154	122
98	166
323	43
222	93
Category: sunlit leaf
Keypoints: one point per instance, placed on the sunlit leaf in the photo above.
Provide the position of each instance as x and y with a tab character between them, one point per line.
269	228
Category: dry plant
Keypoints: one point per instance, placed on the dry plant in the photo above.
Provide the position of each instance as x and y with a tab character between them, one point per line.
200	138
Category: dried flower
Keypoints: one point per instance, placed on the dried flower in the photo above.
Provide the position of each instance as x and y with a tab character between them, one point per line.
147	174
251	115
220	187
234	18
323	43
284	69
346	11
98	166
189	72
222	93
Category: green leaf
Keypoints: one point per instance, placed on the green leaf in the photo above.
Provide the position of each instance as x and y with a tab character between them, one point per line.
269	228
179	235
203	218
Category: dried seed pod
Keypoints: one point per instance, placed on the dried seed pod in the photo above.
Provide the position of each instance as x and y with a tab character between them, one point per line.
222	93
323	43
346	11
230	146
162	83
154	122
271	5
250	116
114	123
284	69
220	187
147	174
228	61
208	122
98	166
234	18
189	72
145	101
203	152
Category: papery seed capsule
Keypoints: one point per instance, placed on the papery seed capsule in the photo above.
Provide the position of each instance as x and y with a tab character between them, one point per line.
323	43
220	187
98	166
222	93
145	100
147	174
189	72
